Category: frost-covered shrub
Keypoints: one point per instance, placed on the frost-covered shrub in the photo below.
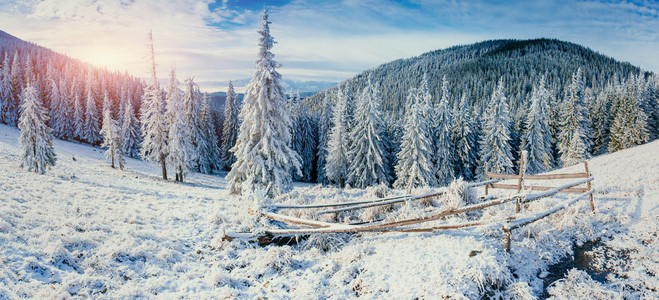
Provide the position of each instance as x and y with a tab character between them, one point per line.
409	210
219	277
378	191
374	213
519	291
457	194
579	284
326	241
276	258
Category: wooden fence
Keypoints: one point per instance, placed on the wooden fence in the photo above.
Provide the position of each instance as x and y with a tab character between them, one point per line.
522	179
508	223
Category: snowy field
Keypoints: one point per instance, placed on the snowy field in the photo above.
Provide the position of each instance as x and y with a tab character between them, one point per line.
86	230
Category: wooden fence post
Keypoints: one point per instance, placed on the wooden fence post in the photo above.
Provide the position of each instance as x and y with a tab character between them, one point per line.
592	203
506	239
520	181
486	178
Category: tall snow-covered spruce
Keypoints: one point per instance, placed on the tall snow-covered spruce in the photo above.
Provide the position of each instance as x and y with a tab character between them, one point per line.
574	138
629	123
413	166
443	158
263	148
130	129
91	125
369	159
180	147
324	126
495	147
305	140
209	153
154	123
112	138
191	101
465	141
229	128
5	90
537	140
337	166
36	137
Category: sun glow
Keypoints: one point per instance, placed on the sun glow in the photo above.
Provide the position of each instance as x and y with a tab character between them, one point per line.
114	57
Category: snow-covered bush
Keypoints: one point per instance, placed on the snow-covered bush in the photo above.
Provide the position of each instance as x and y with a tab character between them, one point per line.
579	284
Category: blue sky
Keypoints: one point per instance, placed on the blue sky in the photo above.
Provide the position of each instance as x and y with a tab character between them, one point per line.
215	41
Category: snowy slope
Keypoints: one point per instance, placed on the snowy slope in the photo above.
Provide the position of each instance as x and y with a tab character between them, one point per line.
85	229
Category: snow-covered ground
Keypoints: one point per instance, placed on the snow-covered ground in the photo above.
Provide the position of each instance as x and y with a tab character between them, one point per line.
84	229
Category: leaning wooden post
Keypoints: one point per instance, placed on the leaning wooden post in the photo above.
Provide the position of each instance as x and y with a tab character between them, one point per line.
520	181
486	178
506	238
592	203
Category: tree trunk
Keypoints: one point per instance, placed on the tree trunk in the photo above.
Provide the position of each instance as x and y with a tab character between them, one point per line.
164	168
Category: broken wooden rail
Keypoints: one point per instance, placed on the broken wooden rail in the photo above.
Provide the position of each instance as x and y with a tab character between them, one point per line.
379	201
514	224
326	227
401	199
508	223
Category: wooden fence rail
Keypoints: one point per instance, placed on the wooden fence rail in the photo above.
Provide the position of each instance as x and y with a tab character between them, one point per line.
522	178
508	223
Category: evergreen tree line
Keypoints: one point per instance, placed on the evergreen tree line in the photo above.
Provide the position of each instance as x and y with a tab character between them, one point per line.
349	136
72	100
434	142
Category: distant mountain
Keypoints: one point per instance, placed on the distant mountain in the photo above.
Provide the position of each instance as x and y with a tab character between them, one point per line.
475	69
306	88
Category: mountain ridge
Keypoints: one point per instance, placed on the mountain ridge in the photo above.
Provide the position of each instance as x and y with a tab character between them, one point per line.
474	70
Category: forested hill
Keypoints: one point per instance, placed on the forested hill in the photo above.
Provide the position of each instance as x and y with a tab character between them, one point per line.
475	69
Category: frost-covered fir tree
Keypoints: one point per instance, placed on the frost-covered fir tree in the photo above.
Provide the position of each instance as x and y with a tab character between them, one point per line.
154	123
574	138
36	138
537	140
324	127
443	153
91	125
337	166
495	143
61	110
369	160
413	166
112	138
629	125
78	114
229	128
180	147
307	137
16	91
5	90
191	105
130	130
209	153
263	148
425	97
465	141
600	120
651	106
173	98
